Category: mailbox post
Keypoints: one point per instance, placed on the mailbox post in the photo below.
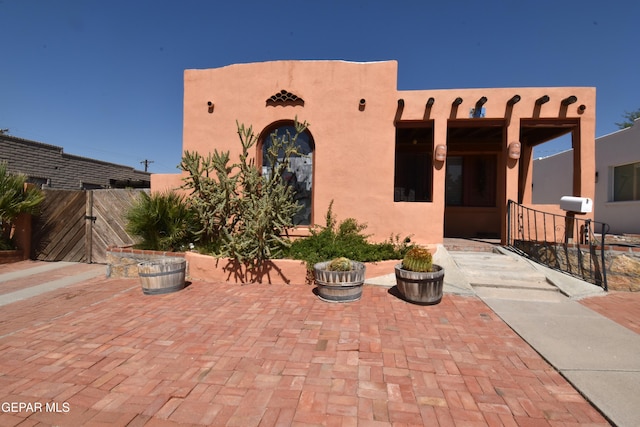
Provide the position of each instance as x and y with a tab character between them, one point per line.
580	205
574	205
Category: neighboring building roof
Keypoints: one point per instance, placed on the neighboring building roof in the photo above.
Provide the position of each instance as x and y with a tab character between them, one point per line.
51	167
636	122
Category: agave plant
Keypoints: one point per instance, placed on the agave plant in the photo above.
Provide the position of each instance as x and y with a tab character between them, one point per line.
15	198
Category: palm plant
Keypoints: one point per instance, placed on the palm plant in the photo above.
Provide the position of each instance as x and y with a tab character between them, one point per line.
15	198
164	221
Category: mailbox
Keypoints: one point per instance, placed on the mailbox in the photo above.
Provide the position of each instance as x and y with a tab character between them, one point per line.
576	204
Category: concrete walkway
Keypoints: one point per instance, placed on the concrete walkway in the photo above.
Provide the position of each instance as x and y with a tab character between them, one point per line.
598	356
41	279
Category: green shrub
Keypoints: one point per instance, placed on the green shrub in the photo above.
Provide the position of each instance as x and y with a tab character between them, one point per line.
15	198
344	240
163	221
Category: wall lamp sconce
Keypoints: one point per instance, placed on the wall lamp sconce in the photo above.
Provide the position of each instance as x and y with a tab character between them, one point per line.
542	100
514	100
440	154
430	102
210	104
362	104
514	150
569	100
581	108
457	101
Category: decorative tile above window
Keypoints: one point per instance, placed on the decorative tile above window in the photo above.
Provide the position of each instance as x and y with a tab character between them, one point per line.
285	98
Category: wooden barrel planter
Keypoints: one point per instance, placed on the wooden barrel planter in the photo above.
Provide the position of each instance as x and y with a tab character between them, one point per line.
162	275
339	286
422	288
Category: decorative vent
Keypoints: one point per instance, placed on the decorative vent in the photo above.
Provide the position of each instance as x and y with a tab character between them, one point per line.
284	98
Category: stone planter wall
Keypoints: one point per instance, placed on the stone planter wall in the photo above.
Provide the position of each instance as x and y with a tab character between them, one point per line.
123	262
622	263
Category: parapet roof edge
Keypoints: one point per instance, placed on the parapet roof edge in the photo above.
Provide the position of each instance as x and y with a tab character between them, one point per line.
299	60
636	122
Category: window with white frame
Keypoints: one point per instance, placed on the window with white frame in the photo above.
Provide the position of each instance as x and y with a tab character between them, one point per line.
626	182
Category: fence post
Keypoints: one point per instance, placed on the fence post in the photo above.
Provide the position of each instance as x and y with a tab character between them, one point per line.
569	222
509	204
603	237
586	230
88	226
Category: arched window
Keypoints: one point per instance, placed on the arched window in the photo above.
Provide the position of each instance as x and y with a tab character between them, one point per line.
300	174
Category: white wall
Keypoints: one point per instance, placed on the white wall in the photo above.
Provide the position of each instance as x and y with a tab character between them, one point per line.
552	178
618	148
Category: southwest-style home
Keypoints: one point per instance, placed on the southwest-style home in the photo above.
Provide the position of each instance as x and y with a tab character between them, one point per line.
426	163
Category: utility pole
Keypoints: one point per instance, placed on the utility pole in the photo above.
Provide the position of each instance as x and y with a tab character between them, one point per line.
146	162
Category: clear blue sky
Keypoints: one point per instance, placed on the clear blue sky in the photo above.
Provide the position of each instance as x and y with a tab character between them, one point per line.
104	79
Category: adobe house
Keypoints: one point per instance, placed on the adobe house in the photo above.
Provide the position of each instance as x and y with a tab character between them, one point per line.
427	163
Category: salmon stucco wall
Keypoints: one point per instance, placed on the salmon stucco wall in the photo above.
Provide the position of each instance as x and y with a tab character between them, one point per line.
353	163
163	182
353	111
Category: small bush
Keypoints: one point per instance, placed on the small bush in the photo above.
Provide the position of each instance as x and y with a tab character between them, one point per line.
163	221
344	240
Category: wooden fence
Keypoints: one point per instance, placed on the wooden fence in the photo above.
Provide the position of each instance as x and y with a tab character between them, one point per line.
79	225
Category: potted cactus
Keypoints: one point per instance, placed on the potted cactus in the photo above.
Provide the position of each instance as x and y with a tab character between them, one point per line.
418	279
339	280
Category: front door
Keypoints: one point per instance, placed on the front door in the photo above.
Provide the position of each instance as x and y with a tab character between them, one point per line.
471	196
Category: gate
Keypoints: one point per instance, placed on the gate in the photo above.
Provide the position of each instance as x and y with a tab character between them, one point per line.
564	243
78	226
58	232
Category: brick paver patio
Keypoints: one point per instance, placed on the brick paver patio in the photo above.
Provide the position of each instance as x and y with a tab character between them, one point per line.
621	307
102	353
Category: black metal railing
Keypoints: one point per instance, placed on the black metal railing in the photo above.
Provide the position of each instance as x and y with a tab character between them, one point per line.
563	242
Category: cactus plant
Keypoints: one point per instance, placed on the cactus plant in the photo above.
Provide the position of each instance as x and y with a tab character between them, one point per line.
340	264
417	259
